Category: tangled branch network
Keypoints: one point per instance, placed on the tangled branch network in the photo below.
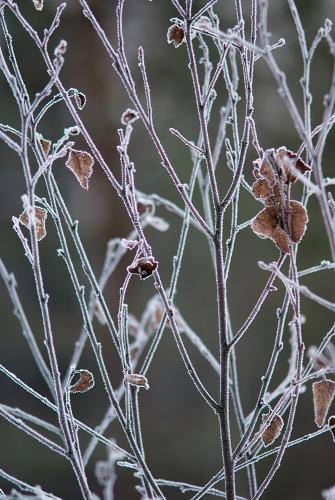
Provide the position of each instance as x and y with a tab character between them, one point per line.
283	310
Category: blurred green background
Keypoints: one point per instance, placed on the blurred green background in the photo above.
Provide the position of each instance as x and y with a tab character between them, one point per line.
180	434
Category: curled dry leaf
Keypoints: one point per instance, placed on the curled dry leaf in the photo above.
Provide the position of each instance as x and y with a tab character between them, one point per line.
85	382
144	267
80	99
137	380
129	116
175	35
40	218
331	423
80	163
323	395
273	429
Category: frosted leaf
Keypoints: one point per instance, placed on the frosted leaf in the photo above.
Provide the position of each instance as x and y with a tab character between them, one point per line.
299	219
40	218
273	429
286	159
323	395
175	35
260	190
85	382
267	173
80	99
129	116
80	163
144	267
265	222
137	380
281	239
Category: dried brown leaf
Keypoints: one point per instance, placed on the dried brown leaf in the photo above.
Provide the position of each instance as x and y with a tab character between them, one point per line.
175	35
267	173
85	382
80	163
265	222
273	430
137	380
40	218
299	219
129	116
80	99
286	159
281	239
260	190
144	267
323	395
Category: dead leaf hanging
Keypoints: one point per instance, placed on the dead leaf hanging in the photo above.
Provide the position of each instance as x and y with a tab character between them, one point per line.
144	267
265	222
281	218
323	395
129	116
40	218
85	382
299	219
273	429
137	380
288	161
175	35
80	163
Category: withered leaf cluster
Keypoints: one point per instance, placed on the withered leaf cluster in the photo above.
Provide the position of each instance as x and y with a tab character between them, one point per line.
85	382
40	218
282	220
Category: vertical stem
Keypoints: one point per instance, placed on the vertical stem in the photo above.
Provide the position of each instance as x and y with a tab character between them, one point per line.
225	351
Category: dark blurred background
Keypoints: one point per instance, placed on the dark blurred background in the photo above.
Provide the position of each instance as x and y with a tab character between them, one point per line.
180	433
